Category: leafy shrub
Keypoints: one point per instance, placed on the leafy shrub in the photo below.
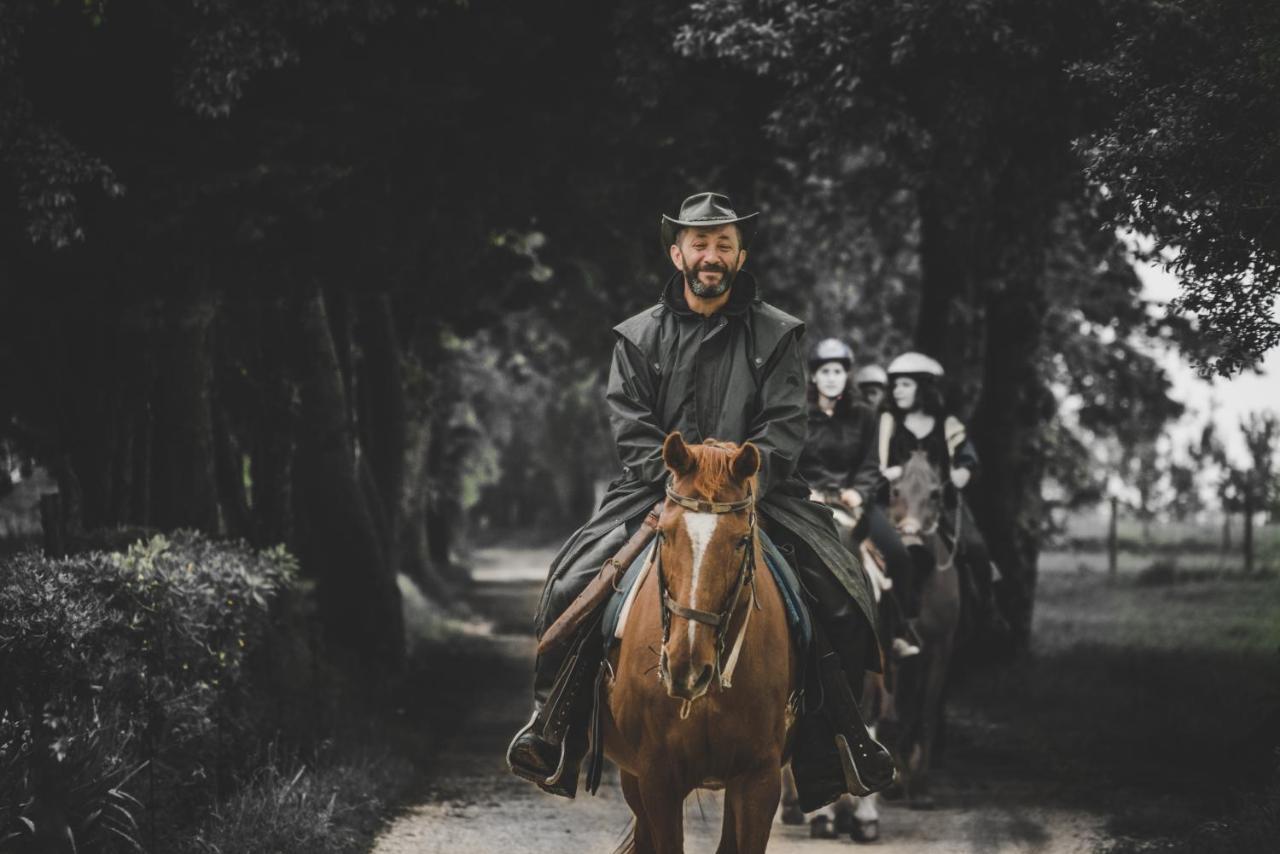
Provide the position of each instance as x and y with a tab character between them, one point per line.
124	681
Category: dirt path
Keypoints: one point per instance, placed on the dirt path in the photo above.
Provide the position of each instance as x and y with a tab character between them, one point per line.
986	803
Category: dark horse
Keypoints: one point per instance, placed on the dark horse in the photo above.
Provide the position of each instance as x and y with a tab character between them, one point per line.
709	618
917	683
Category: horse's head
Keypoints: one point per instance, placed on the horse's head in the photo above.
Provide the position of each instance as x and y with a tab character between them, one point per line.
915	499
706	556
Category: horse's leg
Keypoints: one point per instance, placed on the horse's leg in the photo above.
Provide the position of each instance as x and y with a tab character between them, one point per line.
931	709
753	798
866	817
791	812
663	801
642	835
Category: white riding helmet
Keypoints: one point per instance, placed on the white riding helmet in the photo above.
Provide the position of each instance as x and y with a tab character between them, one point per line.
915	364
871	375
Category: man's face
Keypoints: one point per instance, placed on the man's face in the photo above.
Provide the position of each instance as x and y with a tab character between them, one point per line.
709	258
904	393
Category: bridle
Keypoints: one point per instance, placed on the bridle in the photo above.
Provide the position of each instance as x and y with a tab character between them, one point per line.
933	529
718	621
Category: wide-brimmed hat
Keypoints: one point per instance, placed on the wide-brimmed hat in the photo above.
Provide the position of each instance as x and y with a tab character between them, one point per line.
707	210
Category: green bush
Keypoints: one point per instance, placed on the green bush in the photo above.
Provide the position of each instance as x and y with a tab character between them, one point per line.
126	685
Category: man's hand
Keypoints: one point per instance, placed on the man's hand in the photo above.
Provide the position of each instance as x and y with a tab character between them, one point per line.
960	477
892	473
815	495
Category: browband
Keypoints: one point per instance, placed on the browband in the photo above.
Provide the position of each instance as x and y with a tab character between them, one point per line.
700	506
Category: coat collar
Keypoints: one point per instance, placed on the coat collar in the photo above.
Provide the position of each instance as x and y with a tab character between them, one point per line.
741	295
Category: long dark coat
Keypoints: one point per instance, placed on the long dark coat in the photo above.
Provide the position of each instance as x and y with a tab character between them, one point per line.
735	376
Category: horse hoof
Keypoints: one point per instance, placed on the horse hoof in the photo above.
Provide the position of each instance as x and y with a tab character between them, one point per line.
792	814
820	828
865	831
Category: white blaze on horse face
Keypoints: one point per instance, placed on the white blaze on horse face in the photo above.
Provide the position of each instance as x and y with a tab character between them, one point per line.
701	526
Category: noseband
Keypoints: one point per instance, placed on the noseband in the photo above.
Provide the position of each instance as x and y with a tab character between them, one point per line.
718	621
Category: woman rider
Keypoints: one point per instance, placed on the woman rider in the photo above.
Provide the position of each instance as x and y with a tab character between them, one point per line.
840	465
916	420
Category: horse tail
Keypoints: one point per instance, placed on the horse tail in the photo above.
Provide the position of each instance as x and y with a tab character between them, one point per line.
628	843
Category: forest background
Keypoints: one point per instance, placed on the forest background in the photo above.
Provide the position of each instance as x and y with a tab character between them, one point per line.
340	275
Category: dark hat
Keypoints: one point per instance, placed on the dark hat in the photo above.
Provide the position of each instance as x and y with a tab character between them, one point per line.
706	210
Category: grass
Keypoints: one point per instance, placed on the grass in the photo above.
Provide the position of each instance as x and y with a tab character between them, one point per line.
1153	697
331	807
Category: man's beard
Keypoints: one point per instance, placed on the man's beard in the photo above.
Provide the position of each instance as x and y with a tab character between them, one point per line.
709	291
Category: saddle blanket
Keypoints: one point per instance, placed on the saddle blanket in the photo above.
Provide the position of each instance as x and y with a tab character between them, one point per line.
784	577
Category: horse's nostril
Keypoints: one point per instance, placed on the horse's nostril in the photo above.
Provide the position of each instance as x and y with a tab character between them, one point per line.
701	680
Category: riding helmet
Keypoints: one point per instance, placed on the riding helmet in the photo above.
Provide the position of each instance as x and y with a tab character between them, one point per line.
915	365
831	350
871	375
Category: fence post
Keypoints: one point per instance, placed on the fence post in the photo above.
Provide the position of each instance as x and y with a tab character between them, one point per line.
1113	539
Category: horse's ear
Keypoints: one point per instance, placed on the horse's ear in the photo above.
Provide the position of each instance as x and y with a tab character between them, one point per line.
745	462
676	454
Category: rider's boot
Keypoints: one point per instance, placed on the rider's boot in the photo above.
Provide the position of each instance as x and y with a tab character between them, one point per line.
549	749
868	765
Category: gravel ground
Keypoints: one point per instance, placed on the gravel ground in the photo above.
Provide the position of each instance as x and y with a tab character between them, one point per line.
986	803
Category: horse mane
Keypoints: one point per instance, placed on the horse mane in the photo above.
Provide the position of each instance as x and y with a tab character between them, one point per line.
714	473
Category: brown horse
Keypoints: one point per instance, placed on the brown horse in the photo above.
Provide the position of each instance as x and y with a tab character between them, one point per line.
917	683
710	621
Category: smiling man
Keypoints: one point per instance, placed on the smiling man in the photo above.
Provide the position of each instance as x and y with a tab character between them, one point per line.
711	360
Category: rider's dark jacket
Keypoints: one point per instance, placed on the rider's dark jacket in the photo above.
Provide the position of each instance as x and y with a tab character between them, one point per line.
737	376
947	445
840	452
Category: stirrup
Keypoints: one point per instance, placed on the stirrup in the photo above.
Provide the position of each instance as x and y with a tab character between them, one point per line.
528	774
857	786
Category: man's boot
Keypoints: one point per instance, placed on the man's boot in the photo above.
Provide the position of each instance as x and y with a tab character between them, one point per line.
548	750
868	766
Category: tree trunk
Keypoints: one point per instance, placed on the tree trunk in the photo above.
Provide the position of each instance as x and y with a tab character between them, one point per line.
184	487
382	416
1008	430
1247	539
271	464
359	599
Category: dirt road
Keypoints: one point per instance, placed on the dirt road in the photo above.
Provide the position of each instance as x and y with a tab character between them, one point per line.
990	800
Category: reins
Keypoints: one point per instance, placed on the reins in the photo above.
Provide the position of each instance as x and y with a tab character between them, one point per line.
717	621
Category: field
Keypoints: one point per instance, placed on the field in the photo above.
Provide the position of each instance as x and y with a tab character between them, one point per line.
1152	696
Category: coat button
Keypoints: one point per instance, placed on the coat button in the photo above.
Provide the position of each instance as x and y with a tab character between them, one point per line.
759	361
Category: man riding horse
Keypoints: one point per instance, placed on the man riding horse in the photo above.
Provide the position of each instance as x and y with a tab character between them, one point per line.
710	360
